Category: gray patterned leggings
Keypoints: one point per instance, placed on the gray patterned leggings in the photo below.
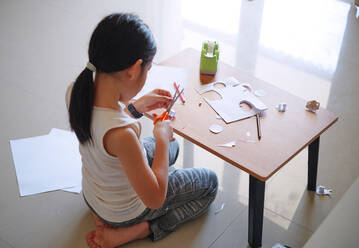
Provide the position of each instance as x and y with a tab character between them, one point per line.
190	193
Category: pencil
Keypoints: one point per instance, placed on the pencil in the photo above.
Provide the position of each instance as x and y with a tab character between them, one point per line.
177	89
258	127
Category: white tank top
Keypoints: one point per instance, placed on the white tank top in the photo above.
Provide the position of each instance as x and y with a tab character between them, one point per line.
104	182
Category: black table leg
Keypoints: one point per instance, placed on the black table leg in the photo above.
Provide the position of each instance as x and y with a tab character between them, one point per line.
313	155
255	213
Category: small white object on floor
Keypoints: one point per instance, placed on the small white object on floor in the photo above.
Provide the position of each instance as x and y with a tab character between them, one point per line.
282	107
220	209
248	134
278	245
260	92
218	117
321	190
215	128
229	144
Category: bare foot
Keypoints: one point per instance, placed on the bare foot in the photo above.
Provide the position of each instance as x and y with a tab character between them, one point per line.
105	237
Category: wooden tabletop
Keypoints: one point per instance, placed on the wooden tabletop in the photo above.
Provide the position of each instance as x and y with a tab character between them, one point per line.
284	134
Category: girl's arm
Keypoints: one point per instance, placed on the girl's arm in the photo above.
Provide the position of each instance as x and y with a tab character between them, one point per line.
149	184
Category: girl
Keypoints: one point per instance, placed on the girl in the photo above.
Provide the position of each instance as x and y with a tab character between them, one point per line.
126	182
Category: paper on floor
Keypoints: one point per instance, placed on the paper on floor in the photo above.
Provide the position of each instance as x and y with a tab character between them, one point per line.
69	137
163	77
47	163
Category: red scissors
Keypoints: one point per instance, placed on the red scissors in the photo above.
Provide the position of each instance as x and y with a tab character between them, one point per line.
165	115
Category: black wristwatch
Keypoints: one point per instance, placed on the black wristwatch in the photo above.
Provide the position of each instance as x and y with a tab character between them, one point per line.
133	111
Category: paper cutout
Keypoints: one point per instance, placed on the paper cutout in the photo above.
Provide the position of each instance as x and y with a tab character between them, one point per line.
229	144
232	96
215	128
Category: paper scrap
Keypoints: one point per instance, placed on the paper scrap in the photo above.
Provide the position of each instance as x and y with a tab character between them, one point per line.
321	190
229	144
220	209
216	128
218	117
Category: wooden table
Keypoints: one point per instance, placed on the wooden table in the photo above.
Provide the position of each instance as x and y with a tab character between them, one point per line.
284	134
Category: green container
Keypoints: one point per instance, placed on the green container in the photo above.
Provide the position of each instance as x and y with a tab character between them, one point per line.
209	57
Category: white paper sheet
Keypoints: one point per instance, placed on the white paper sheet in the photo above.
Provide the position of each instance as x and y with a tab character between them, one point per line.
46	163
162	77
71	138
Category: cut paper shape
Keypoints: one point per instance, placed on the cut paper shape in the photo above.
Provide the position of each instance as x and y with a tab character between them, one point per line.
220	209
321	190
232	95
229	144
215	128
260	92
282	107
248	133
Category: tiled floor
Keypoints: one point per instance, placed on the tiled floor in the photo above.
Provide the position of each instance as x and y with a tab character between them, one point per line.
309	48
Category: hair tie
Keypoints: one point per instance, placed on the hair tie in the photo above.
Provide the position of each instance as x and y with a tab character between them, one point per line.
91	67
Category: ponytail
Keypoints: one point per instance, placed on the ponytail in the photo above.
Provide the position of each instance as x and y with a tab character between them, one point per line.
117	42
81	104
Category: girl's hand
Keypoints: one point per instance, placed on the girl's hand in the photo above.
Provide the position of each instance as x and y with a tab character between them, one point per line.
163	131
155	99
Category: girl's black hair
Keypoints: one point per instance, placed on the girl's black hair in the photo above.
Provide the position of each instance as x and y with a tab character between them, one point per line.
117	42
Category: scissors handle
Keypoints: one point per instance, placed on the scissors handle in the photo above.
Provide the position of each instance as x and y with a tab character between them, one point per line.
162	117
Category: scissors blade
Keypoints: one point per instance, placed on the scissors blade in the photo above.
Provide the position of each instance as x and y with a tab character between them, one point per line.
176	96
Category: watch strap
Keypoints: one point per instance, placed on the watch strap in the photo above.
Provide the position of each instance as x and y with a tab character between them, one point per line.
133	111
